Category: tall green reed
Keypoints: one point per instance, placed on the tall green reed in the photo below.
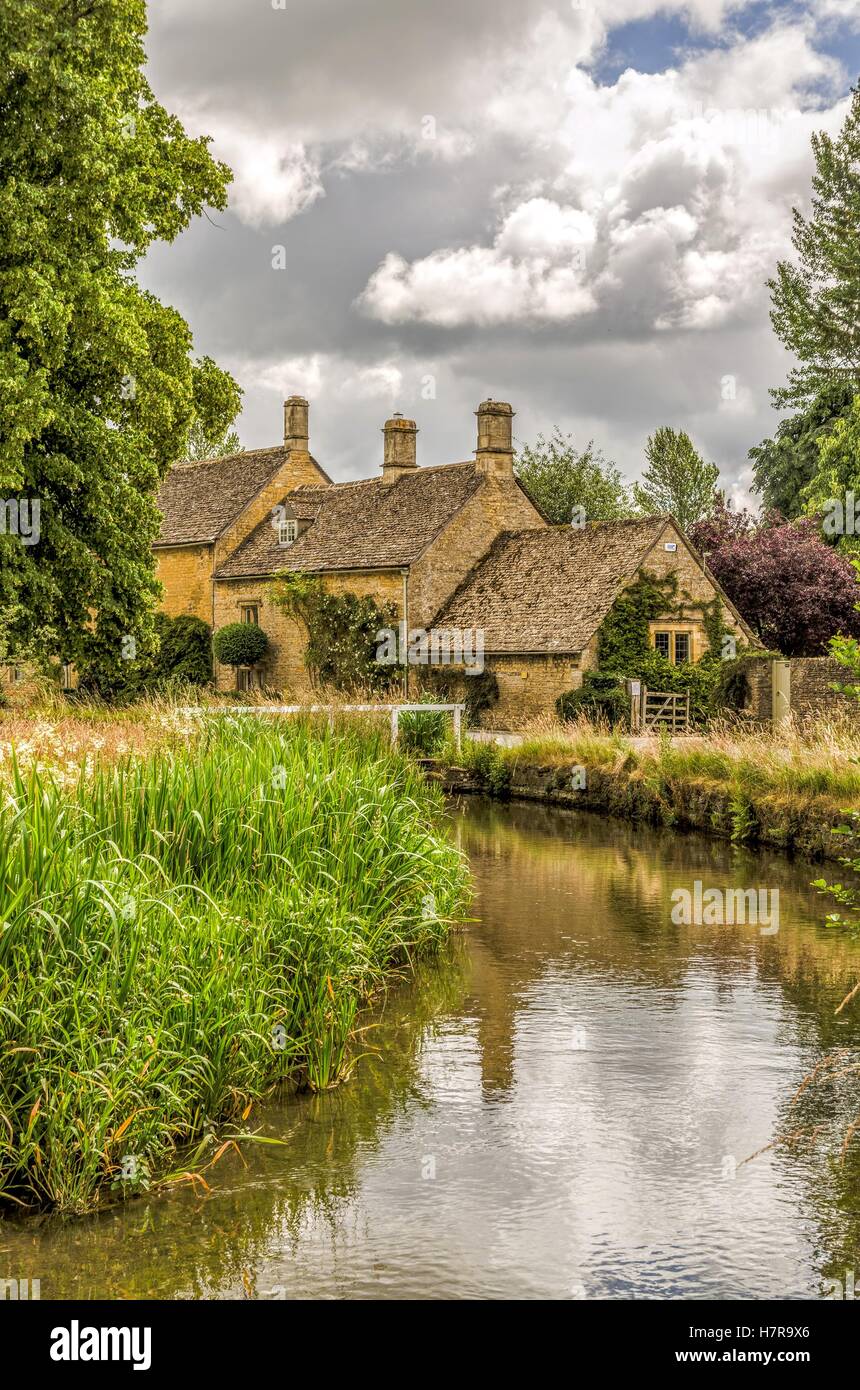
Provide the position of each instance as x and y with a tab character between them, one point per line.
179	934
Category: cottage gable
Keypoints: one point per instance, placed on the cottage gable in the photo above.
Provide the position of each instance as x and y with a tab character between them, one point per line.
547	591
371	524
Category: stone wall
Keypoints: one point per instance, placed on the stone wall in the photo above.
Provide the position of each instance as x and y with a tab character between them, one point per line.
499	505
811	696
186	573
284	665
528	687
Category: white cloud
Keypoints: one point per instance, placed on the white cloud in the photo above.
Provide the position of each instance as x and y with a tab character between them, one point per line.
680	203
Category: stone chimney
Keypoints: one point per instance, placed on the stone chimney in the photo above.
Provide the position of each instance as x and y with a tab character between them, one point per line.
399	450
296	424
495	451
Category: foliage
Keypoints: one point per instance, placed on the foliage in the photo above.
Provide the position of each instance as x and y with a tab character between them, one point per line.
424	734
97	382
838	473
184	931
478	691
623	640
601	697
489	764
182	655
342	633
676	478
793	590
184	650
240	644
785	465
814	302
559	478
216	397
732	688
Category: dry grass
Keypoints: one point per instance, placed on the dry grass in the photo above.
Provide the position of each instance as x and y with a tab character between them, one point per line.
815	759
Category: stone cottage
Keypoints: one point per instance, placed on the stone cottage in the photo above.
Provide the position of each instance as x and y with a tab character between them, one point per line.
541	595
457	546
407	537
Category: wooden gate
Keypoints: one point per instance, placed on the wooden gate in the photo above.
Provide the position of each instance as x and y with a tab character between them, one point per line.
661	709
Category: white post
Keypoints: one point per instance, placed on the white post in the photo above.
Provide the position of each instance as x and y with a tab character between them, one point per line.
457	726
395	717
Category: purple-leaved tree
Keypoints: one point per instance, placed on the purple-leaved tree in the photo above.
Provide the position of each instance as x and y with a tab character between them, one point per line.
794	590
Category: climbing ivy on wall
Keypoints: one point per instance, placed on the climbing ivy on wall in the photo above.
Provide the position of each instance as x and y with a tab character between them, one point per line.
342	628
623	638
624	643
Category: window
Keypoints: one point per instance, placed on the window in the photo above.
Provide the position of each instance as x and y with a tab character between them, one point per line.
288	531
16	675
68	676
243	678
675	646
249	613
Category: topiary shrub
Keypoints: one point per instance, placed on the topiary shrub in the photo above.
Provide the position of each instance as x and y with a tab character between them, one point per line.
601	695
240	644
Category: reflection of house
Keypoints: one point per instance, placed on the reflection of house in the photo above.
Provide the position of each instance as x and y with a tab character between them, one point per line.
456	546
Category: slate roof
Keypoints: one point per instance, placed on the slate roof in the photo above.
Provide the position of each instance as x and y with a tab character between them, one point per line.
369	524
548	590
199	500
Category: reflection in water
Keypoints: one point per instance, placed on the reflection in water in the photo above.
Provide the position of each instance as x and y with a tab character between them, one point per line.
561	1108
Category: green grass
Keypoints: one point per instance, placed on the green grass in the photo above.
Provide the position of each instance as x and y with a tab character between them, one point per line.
181	932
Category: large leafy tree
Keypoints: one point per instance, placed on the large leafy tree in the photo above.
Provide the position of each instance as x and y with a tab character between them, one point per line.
571	485
676	478
215	394
816	301
795	591
833	493
98	386
783	467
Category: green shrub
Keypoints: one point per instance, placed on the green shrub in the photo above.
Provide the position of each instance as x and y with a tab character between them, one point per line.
424	734
601	696
185	653
240	644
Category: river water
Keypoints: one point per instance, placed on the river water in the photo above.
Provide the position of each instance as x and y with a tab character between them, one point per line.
561	1108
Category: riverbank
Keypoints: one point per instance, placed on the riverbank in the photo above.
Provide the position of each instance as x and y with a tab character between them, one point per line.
789	792
188	926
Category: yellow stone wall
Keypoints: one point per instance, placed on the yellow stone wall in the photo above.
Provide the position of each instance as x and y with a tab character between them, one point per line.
500	505
284	667
186	573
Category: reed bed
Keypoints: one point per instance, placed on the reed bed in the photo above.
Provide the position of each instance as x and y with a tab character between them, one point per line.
183	930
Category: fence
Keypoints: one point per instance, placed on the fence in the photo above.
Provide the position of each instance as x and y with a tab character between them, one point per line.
662	709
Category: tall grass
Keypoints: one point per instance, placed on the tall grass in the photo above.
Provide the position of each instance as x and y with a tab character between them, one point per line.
180	931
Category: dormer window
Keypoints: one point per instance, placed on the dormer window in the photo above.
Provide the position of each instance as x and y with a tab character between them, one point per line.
288	532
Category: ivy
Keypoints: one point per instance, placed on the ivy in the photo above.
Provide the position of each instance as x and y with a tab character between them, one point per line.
342	628
624	639
624	651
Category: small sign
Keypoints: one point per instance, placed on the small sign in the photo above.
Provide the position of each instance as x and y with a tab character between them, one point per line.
670	545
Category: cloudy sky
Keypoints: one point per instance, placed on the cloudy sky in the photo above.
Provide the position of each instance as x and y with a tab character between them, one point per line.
570	206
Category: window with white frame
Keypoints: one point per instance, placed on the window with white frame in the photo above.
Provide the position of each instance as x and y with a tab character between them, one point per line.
288	531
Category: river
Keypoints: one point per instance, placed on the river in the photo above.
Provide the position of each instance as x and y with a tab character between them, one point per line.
562	1107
